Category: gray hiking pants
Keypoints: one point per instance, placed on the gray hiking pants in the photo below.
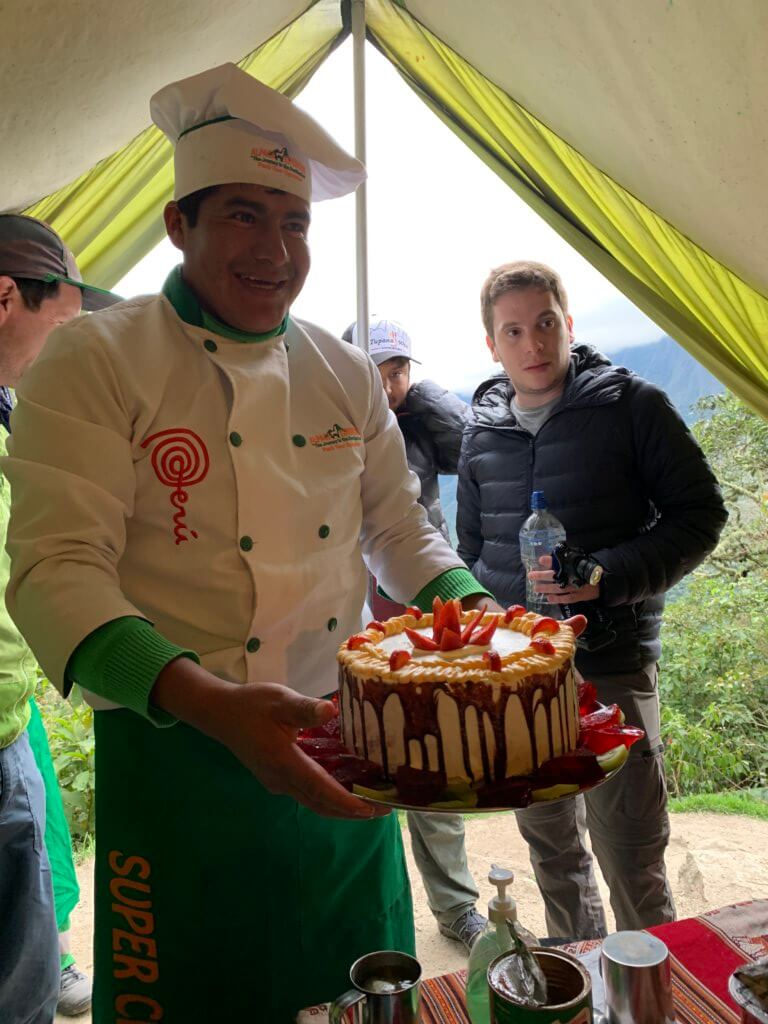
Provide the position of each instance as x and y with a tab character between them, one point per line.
628	827
437	841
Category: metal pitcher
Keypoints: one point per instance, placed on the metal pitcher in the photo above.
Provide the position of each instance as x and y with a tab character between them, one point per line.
386	990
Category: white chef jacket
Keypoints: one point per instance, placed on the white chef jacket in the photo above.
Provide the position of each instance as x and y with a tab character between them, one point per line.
225	491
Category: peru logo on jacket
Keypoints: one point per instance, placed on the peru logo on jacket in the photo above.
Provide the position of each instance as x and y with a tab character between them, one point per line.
180	460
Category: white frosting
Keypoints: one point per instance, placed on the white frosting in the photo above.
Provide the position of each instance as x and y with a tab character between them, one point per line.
504	641
519	749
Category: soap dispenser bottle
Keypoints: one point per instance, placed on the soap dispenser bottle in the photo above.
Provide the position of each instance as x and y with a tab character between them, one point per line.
495	938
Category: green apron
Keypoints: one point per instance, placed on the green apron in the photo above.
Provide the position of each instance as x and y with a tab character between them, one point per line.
58	841
216	901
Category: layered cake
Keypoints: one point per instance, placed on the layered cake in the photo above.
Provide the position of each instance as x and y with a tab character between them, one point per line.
472	696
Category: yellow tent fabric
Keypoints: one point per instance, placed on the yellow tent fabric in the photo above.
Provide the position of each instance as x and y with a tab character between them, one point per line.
706	308
111	216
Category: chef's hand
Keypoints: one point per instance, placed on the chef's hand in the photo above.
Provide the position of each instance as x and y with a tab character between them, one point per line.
259	723
544	579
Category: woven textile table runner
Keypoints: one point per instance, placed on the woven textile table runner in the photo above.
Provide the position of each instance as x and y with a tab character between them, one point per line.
705	951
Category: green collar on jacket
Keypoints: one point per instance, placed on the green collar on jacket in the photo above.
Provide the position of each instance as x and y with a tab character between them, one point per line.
184	301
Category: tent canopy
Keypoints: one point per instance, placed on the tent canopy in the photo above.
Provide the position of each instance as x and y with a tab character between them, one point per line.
637	130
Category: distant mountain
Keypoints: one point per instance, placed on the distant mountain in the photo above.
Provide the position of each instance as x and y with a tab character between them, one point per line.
663	362
667	364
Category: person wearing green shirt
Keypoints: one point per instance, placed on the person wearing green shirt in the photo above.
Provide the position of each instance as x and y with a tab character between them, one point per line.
40	288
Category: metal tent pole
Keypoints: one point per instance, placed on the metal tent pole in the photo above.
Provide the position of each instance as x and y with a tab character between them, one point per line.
361	197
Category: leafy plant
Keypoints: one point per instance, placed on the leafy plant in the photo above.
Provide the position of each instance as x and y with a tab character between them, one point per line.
714	678
69	724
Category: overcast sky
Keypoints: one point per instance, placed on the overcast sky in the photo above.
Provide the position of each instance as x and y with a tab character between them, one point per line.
435	229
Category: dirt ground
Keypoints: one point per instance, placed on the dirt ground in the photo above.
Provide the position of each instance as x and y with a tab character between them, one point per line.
712	860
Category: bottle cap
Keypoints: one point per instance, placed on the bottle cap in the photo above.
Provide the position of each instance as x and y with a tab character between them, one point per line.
502	907
538	501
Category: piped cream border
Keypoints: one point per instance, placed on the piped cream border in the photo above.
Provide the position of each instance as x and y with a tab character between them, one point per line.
368	662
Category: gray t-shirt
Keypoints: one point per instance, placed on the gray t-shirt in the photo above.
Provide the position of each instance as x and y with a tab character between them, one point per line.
533	420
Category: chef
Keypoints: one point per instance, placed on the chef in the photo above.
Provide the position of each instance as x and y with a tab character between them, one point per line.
198	481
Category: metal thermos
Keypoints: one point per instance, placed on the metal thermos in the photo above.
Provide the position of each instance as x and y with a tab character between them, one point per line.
637	978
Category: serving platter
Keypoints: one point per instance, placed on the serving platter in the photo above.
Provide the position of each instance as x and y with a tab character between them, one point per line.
457	808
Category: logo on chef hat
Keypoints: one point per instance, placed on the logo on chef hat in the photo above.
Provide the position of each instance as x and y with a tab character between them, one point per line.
280	161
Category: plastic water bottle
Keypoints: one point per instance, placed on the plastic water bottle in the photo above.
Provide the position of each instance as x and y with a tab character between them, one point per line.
496	937
540	534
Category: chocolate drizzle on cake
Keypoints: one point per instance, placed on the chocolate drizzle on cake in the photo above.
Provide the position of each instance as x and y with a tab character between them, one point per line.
548	692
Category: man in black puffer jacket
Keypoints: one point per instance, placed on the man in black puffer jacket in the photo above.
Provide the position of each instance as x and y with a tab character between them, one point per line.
432	421
623	474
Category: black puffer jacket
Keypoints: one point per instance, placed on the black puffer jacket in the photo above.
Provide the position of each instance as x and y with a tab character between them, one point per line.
432	421
621	472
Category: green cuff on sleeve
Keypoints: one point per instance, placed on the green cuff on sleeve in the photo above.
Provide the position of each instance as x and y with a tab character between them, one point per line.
121	661
452	583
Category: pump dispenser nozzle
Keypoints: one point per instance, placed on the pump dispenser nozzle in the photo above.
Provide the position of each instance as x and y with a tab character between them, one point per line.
502	907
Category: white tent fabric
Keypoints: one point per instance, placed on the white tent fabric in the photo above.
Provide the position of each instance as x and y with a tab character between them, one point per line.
668	97
76	77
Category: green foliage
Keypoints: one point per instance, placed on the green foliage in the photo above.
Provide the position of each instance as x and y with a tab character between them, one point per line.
735	440
750	804
714	677
69	724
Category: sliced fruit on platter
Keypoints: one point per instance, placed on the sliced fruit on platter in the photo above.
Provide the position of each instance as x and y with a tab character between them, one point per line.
513	612
609	714
613	759
454	805
417	786
457	789
388	793
581	766
320	746
355	771
606	737
509	793
587	698
554	792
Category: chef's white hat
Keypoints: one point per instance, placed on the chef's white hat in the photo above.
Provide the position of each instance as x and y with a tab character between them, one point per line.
228	127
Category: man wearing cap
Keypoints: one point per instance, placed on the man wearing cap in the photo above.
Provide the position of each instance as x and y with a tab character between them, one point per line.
40	288
214	473
432	422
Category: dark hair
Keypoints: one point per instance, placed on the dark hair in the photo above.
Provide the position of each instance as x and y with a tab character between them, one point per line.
512	277
34	293
398	362
190	205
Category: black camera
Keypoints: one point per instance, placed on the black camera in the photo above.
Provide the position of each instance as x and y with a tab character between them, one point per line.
573	567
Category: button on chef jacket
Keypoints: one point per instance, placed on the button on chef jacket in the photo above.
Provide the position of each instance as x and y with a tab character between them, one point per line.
247	551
